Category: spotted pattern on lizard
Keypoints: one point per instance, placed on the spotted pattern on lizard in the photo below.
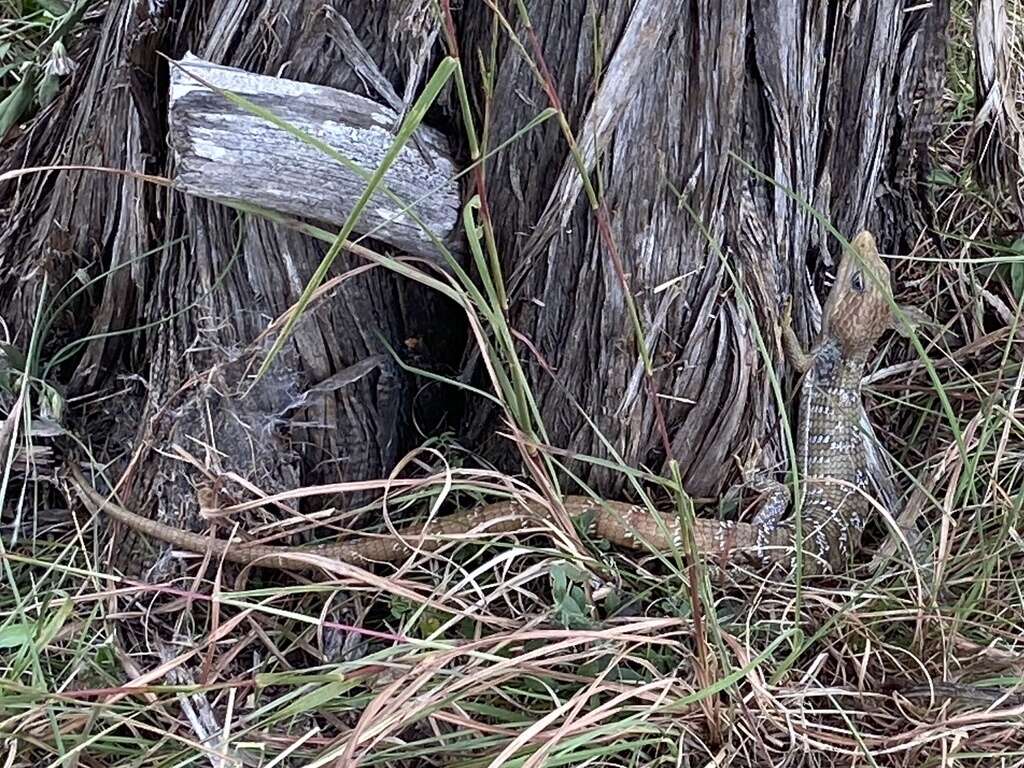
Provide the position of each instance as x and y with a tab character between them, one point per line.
830	446
830	455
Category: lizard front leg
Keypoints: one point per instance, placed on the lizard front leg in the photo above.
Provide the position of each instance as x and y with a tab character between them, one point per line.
791	346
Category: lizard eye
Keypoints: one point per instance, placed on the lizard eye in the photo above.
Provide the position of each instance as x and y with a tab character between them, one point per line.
857	282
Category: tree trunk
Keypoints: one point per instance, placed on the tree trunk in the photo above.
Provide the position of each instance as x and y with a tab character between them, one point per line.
212	282
669	102
833	103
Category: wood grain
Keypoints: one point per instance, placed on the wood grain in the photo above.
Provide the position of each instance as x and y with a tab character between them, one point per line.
225	152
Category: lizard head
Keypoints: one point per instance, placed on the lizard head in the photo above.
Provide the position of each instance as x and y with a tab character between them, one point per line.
858	310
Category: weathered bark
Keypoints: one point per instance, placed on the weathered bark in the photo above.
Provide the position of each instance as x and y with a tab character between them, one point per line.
997	136
63	221
224	152
355	431
832	101
215	281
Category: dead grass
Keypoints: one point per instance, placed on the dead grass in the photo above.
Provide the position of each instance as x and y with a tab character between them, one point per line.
535	651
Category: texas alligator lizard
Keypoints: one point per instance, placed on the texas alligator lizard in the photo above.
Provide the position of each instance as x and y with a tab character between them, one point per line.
830	456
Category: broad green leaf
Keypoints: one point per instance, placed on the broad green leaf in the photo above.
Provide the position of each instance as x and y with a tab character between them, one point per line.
16	635
17	102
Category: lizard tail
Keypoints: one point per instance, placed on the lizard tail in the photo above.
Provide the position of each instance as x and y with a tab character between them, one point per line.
619	523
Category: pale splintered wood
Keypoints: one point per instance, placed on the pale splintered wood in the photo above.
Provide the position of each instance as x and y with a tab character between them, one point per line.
224	152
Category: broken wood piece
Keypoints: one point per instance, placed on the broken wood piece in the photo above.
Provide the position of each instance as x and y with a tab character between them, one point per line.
225	152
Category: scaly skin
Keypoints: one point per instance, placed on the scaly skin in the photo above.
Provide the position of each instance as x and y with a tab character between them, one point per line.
830	456
622	524
831	453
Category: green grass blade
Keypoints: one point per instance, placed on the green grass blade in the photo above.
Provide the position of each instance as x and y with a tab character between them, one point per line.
405	132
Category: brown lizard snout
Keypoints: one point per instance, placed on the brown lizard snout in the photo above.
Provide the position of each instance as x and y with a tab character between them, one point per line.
858	309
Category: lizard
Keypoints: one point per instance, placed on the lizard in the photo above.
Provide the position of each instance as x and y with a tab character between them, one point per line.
830	452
